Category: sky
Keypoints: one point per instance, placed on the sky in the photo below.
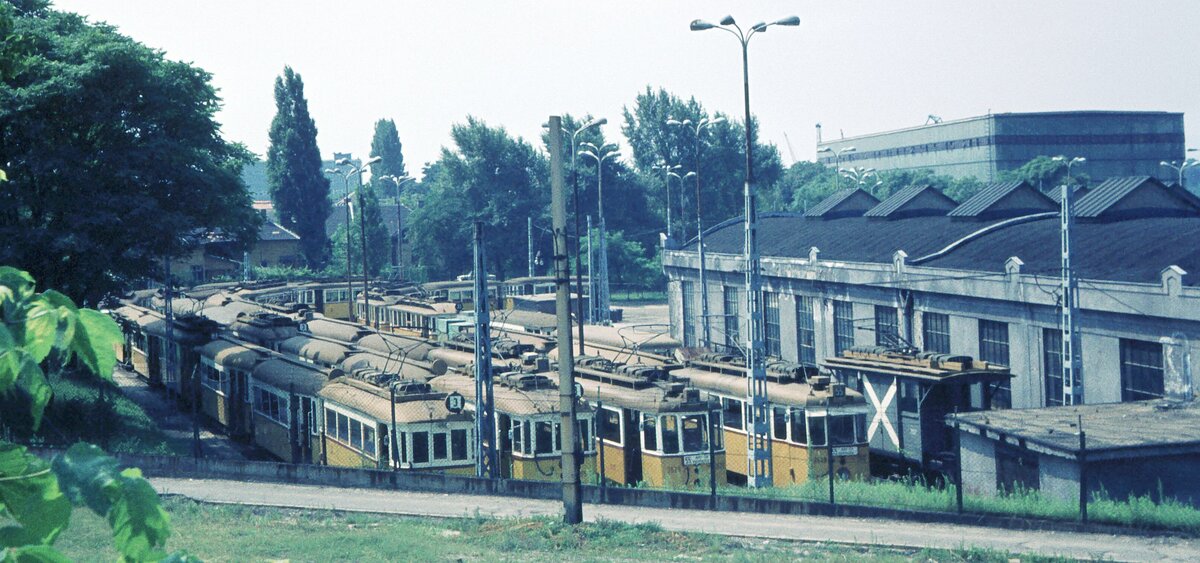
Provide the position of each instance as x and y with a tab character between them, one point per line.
855	67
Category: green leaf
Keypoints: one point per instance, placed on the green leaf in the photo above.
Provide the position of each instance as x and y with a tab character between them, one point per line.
32	381
35	554
139	524
21	283
41	330
95	336
30	495
10	367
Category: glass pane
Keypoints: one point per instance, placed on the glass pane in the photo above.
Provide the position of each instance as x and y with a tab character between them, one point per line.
543	438
440	445
816	431
732	413
670	434
841	430
355	434
369	440
458	444
649	433
779	423
420	441
695	433
799	428
611	426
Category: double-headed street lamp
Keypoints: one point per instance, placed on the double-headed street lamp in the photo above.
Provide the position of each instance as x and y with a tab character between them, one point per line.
1072	363
1181	167
837	161
600	304
669	172
759	470
399	181
357	170
860	175
696	129
579	239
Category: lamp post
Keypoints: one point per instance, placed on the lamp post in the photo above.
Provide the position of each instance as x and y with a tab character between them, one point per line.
860	175
579	239
669	172
760	470
399	181
1180	167
837	161
358	170
346	201
1072	362
600	300
696	129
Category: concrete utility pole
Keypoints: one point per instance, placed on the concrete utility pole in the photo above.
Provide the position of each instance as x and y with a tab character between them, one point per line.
1072	362
760	470
485	407
529	243
572	503
591	254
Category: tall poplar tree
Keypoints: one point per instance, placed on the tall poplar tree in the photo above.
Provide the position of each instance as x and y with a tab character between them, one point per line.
298	188
386	145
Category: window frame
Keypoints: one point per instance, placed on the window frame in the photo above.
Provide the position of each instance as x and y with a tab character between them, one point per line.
806	330
935	330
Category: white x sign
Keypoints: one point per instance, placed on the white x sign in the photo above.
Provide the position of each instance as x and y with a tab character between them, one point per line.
881	411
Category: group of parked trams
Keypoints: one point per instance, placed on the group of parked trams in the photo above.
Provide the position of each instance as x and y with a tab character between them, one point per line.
282	367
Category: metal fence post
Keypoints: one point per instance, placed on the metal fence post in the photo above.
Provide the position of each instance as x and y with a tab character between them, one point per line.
197	446
713	428
601	424
829	450
1083	476
958	466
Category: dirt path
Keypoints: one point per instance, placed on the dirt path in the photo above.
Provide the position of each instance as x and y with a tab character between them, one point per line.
796	528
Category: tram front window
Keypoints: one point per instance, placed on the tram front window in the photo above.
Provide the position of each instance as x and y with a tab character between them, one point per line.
649	433
670	434
841	430
543	438
695	433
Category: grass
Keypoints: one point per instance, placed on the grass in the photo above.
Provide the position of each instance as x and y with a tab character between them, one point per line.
236	533
639	297
76	414
1137	512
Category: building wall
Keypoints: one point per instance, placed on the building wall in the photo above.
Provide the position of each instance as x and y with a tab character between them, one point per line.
1058	477
978	455
1115	144
276	253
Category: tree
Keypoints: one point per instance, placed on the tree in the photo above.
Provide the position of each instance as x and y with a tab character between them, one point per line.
378	240
720	158
386	145
47	330
489	177
1045	174
298	187
113	155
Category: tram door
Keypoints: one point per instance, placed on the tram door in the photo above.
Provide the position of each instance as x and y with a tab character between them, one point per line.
633	446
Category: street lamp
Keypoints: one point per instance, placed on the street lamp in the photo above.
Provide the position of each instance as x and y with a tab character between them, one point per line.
600	297
669	173
1180	167
696	129
1072	363
837	161
760	469
358	170
346	201
399	181
859	175
579	239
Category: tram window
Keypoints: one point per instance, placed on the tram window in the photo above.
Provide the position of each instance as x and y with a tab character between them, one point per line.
518	435
649	433
368	440
910	392
799	428
440	446
458	445
403	446
584	430
420	447
860	428
330	423
694	433
343	428
816	431
779	423
610	425
385	446
732	411
355	434
543	437
841	430
670	434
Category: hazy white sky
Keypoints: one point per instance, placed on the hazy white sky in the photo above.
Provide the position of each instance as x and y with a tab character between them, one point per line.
855	67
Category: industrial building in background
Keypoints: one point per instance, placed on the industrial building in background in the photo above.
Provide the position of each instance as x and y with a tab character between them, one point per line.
1115	143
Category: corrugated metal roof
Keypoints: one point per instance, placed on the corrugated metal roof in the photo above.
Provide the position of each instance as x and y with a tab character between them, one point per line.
986	201
833	204
1055	194
917	199
1103	200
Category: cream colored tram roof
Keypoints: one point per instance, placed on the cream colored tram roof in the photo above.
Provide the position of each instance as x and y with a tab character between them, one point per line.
424	307
798	394
374	402
333	329
288	375
232	355
649	339
408	368
225	311
617	355
324	351
650	399
394	344
508	400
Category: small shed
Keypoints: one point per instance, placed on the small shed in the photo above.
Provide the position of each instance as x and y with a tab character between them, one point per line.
1127	449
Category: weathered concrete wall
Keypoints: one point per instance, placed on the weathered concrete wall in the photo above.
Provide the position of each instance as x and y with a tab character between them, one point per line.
978	455
1058	477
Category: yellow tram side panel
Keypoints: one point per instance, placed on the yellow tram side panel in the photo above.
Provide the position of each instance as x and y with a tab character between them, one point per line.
794	464
858	466
614	464
549	468
735	452
215	406
339	311
276	439
141	363
338	454
673	471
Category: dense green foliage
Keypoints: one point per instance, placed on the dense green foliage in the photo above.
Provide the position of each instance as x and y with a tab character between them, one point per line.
386	145
805	184
46	331
1045	174
298	187
378	241
112	153
489	177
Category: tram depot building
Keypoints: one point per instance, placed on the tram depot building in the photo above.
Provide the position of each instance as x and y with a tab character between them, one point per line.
979	279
